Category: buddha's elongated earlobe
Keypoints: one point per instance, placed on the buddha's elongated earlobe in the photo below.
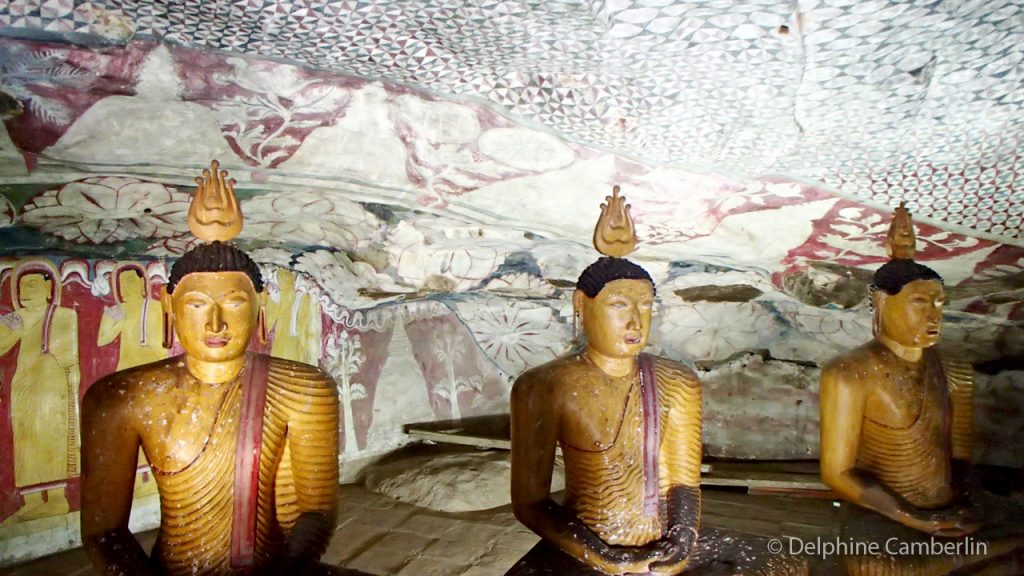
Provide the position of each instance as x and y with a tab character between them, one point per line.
876	312
577	309
261	325
165	304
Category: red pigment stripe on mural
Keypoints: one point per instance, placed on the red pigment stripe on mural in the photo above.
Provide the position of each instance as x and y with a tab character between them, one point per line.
649	396
47	324
247	462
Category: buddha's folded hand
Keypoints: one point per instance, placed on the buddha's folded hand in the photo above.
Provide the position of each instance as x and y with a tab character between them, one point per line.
949	523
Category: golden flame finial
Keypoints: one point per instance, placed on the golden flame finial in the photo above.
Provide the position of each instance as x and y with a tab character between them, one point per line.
214	213
901	243
615	234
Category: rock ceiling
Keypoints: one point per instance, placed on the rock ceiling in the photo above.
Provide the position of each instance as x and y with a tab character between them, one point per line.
880	100
394	148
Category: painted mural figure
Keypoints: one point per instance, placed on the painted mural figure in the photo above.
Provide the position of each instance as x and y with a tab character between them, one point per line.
134	319
629	426
44	387
294	320
243	447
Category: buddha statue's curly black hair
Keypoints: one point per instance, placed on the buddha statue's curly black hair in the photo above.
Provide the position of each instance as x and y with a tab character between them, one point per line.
895	274
608	269
215	257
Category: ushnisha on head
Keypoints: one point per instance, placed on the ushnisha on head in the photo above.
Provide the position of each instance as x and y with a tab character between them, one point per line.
214	297
907	297
614	297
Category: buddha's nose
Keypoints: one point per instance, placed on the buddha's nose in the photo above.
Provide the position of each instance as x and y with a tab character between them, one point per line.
216	321
634	320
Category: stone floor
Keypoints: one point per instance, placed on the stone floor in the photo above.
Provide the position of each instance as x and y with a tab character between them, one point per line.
381	536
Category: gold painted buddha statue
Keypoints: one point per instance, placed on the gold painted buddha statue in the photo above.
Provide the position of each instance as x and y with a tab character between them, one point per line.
895	413
243	447
629	427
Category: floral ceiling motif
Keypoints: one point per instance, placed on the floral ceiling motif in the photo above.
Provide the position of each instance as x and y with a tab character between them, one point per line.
882	100
515	334
310	218
109	209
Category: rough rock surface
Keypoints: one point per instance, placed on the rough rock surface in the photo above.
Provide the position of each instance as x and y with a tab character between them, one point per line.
757	408
448	480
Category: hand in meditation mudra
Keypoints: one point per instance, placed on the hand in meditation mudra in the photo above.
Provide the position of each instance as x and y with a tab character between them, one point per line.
629	426
895	414
243	447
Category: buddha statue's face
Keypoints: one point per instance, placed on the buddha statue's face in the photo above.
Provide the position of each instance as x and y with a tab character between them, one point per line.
215	314
34	290
913	317
618	320
130	285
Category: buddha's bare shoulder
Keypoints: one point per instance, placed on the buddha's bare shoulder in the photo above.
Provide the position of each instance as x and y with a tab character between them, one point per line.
151	375
562	372
854	365
125	385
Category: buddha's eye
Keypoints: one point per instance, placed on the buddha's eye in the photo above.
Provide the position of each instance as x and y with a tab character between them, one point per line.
195	300
235	302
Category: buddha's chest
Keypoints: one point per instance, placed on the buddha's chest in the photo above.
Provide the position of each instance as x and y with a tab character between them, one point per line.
603	419
901	395
185	428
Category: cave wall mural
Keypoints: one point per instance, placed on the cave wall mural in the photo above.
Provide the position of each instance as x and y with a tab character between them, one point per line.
422	249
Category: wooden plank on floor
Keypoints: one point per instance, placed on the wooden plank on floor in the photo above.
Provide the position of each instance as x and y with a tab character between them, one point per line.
480	432
799	492
776	508
455	437
494	431
754	478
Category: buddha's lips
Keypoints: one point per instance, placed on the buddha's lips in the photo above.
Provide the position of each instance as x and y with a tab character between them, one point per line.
632	339
216	342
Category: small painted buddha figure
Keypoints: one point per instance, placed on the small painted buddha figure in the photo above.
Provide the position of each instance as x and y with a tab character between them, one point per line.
895	414
44	388
133	320
243	446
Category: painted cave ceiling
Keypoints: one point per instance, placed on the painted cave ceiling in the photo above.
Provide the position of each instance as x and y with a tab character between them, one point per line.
394	149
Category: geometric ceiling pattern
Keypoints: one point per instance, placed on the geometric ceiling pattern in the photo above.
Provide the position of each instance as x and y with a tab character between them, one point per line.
880	100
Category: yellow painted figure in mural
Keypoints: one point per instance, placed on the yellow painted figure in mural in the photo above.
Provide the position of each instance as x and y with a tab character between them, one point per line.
135	318
44	389
294	319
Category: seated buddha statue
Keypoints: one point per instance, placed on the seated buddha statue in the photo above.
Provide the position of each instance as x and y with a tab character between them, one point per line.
243	447
895	413
629	426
